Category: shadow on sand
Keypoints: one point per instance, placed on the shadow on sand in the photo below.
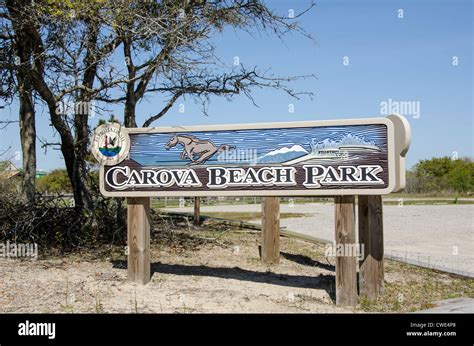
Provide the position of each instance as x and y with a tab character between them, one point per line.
323	281
307	261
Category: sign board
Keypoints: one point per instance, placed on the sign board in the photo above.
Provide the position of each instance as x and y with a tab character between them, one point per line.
334	157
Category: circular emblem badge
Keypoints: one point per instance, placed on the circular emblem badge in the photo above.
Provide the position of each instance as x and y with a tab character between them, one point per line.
110	143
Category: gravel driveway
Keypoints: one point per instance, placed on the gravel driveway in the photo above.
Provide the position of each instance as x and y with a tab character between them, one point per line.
435	236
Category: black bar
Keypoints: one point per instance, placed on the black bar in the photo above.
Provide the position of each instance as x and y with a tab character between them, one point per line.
315	329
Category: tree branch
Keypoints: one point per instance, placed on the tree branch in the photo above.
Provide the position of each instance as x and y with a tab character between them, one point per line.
163	111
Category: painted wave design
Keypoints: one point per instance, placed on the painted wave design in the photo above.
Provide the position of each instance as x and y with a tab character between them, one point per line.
265	146
110	152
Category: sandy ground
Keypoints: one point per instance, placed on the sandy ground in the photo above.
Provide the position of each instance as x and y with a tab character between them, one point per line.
440	236
213	278
211	269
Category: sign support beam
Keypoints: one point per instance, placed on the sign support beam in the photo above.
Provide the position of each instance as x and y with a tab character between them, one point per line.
371	272
197	211
139	239
346	266
270	248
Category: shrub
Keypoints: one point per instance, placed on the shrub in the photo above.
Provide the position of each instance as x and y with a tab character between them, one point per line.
53	224
440	175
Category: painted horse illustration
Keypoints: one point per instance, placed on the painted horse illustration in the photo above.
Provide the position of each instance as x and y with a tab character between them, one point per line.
195	149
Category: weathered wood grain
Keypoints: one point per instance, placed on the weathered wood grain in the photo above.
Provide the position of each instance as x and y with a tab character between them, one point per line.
197	211
346	266
270	247
371	270
139	239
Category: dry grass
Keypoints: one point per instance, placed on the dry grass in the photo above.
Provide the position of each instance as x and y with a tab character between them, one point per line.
410	288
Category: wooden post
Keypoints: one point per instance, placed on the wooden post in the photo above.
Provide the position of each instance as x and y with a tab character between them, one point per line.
197	211
139	239
371	272
346	266
270	248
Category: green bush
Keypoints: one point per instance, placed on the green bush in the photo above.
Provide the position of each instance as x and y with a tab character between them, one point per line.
440	175
55	182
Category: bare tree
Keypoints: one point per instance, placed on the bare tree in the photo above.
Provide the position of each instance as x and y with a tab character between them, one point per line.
65	53
166	47
168	50
17	49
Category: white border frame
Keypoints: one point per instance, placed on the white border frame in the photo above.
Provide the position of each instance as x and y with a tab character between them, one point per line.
396	154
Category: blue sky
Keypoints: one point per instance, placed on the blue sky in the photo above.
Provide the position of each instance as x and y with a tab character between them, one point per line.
402	59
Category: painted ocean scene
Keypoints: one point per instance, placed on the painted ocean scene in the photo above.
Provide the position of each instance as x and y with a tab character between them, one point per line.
285	146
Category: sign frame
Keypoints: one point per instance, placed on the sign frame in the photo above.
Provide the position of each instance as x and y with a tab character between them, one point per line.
398	142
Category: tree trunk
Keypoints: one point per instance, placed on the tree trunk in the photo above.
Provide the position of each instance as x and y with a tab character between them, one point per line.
80	168
130	109
28	140
28	46
131	99
24	50
73	167
67	149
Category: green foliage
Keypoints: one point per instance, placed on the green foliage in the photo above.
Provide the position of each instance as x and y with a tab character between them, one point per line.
461	176
11	185
55	182
112	119
71	9
442	175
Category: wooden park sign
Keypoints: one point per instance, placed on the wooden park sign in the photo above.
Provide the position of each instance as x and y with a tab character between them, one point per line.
341	158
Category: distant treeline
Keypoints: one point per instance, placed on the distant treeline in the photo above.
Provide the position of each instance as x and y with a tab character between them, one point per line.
441	175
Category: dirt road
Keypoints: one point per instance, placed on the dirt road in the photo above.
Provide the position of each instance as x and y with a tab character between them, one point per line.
435	236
